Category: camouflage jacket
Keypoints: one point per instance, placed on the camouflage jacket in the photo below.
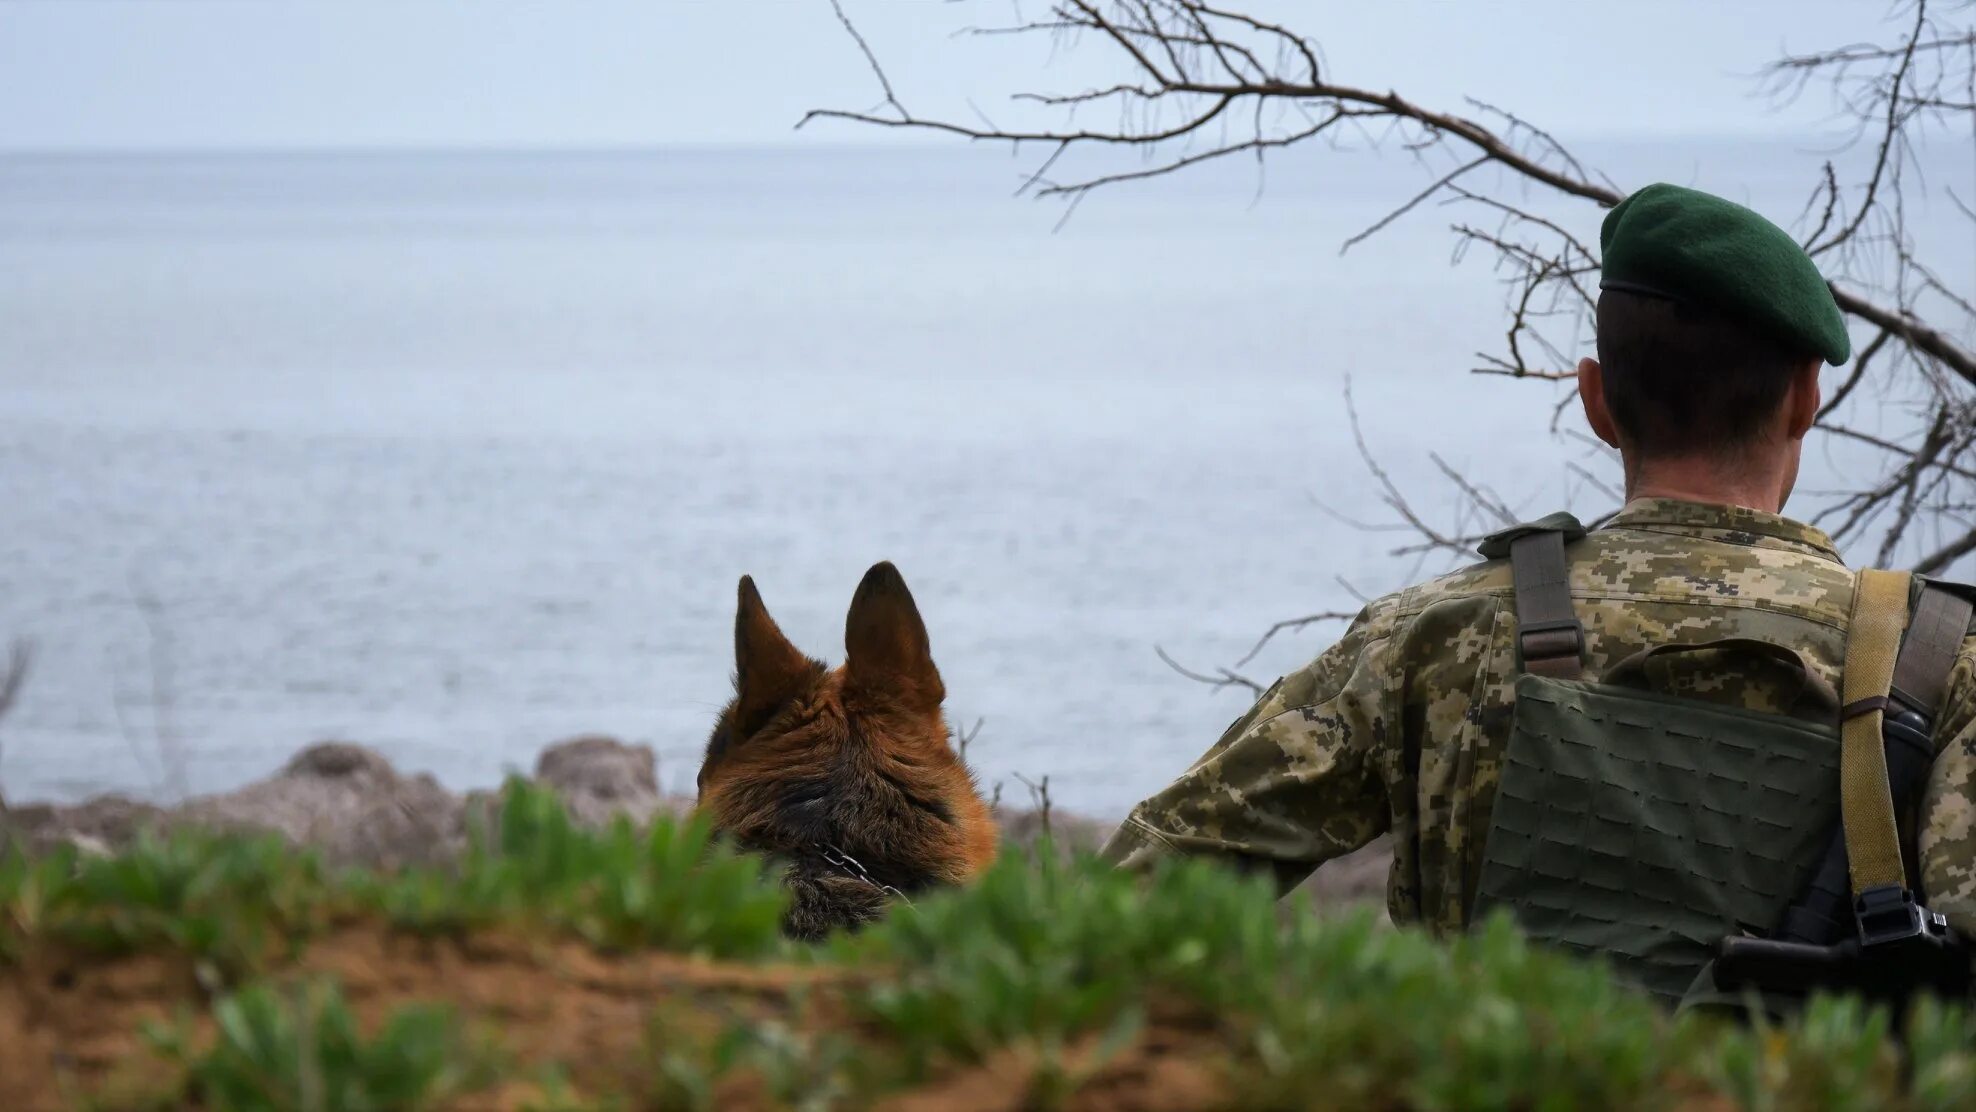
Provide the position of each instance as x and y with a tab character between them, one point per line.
1401	726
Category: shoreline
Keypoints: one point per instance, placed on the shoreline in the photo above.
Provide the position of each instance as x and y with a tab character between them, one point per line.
351	804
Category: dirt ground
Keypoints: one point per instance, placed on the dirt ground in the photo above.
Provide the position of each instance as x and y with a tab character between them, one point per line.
71	1027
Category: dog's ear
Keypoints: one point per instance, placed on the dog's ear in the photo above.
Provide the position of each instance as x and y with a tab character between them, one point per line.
768	670
887	655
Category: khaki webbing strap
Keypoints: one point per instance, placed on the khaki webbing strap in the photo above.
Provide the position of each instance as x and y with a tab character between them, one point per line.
1934	637
1866	804
1548	633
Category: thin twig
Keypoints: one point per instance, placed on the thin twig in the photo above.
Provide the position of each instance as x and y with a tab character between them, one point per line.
1290	625
1039	798
1547	164
965	738
1412	203
878	71
1941	558
1224	677
19	655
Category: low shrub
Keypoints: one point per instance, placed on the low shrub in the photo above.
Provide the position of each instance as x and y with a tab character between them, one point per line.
225	898
1053	967
671	887
220	898
300	1049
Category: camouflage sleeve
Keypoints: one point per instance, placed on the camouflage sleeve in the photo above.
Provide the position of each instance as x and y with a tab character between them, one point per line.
1948	810
1292	783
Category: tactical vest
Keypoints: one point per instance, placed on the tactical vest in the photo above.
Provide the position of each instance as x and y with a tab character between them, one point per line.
1643	828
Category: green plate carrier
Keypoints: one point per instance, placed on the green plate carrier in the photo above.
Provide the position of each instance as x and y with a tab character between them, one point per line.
1642	827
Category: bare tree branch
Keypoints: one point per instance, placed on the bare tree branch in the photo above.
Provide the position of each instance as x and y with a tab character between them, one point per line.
1385	221
1175	26
1948	554
1199	82
1860	362
1223	677
878	71
1897	449
19	655
1291	625
964	738
1889	137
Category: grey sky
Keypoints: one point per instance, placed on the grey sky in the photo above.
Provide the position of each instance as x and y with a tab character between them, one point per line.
236	74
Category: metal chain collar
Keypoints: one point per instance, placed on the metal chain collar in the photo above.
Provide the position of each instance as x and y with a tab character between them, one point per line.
852	867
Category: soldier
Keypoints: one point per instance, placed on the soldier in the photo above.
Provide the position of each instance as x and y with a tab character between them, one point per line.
1712	324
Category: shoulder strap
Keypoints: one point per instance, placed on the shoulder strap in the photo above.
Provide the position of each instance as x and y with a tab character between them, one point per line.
1934	638
1866	804
1887	672
1549	636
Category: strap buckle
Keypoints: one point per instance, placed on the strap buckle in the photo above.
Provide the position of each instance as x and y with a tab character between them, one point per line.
1550	641
1549	635
1888	914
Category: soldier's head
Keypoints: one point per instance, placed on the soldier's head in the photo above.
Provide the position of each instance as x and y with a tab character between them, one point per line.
1681	380
1712	325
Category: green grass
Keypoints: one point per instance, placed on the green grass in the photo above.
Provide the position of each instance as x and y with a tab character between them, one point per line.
1040	952
222	899
301	1049
1050	955
670	887
228	899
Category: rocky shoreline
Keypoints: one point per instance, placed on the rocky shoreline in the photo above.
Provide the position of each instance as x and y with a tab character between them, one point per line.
349	802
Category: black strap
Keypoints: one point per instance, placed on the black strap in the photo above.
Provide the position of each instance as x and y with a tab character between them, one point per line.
1548	633
1934	636
1551	639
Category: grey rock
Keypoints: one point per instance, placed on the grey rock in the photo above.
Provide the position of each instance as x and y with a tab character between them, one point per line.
600	778
349	802
331	759
102	823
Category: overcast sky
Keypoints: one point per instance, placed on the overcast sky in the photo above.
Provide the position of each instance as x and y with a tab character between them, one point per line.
179	74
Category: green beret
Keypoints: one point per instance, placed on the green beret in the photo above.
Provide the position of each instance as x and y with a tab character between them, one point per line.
1666	241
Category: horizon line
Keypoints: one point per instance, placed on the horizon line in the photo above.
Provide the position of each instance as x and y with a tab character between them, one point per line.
692	145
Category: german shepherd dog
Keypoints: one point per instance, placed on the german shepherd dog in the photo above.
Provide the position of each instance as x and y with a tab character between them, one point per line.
844	775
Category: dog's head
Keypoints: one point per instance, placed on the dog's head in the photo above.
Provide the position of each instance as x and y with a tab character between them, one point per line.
855	759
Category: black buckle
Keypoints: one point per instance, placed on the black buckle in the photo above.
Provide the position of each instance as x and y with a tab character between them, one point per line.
1888	914
1903	948
1576	627
1533	638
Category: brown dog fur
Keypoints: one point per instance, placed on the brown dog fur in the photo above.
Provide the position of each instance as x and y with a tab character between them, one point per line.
808	762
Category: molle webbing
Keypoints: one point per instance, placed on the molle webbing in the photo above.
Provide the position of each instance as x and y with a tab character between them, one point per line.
1643	827
1549	636
1640	827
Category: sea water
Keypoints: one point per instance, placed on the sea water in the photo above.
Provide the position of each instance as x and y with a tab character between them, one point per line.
457	454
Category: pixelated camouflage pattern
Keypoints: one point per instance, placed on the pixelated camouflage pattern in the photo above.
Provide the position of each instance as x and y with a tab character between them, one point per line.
1402	725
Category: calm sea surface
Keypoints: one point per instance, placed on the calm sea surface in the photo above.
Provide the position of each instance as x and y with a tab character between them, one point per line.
456	455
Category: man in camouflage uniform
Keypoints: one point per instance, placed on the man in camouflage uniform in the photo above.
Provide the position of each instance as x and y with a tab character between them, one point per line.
1712	325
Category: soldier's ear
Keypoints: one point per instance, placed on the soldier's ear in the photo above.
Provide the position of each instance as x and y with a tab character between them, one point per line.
1803	400
887	658
1592	396
768	670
